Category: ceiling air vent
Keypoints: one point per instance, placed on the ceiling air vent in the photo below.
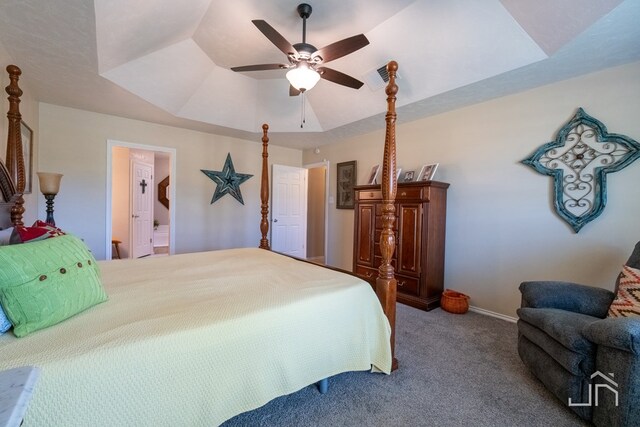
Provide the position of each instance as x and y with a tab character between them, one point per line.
378	78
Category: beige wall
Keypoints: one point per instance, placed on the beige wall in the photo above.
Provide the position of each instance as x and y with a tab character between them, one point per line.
315	211
29	111
74	143
501	226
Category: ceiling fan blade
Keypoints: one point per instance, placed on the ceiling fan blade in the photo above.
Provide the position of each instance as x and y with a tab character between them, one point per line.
293	91
341	48
339	78
260	67
275	37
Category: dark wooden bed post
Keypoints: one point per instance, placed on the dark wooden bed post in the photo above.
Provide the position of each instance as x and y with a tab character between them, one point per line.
15	158
386	285
264	190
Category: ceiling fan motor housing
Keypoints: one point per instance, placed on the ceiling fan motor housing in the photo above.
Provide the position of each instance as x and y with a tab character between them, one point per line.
305	50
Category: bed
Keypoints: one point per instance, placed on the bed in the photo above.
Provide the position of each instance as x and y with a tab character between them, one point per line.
195	339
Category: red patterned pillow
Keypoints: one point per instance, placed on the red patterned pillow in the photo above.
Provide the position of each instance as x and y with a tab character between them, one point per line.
40	230
627	301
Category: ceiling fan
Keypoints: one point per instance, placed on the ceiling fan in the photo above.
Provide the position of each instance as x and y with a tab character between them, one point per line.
306	63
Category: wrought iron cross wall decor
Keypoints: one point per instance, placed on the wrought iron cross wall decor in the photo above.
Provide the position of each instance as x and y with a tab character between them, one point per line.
579	160
143	184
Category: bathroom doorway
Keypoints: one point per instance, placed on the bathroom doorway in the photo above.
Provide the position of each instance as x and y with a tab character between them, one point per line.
140	200
317	211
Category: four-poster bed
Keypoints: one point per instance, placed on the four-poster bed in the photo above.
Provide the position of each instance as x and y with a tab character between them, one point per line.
243	327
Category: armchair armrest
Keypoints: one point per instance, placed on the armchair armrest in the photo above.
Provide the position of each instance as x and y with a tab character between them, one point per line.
566	296
622	333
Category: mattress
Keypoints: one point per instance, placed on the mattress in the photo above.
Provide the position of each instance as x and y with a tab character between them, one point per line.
195	339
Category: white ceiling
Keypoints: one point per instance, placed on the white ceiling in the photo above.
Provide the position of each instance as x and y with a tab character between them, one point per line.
168	62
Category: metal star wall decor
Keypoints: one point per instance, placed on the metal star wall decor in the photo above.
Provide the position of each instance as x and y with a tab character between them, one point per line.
579	160
227	181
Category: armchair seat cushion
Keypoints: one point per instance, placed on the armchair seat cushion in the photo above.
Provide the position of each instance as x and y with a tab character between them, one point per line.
563	326
576	364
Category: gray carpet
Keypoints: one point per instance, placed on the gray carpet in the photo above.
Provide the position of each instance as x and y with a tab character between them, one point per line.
454	370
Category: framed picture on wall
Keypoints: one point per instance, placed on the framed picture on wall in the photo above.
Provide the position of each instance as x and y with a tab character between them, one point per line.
27	153
163	192
427	172
347	173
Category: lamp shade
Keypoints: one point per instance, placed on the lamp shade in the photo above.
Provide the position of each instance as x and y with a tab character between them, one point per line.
302	77
49	182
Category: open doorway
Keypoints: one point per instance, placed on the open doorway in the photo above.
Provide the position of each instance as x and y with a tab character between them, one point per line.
140	200
317	211
299	210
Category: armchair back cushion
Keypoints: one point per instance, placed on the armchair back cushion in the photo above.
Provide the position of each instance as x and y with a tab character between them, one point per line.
567	296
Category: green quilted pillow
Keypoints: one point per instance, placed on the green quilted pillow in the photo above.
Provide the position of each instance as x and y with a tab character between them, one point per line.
45	282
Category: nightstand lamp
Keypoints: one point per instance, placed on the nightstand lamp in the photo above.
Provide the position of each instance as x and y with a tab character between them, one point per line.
49	186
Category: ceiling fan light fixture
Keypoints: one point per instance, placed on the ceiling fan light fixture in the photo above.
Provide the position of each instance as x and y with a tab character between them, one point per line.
303	78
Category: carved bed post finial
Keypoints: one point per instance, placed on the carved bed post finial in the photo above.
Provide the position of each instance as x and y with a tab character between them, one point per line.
15	157
386	285
264	190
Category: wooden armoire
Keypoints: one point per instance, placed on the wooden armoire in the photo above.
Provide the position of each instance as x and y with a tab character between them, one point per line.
420	234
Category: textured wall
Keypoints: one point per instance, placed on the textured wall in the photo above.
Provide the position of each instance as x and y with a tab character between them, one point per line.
74	142
501	226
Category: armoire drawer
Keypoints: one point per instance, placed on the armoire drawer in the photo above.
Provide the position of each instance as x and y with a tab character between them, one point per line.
369	195
409	193
366	273
408	285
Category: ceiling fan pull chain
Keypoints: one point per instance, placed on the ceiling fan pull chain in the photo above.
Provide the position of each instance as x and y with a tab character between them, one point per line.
303	113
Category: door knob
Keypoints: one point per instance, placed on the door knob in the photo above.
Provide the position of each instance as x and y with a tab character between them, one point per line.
135	216
275	220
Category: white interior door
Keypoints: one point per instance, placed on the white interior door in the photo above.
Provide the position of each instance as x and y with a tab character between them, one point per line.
142	209
289	210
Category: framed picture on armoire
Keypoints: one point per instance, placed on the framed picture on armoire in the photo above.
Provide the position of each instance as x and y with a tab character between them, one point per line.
347	174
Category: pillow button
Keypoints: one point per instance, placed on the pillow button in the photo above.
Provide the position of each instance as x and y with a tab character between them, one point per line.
43	277
63	271
80	265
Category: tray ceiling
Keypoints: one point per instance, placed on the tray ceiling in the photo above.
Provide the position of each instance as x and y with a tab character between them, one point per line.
168	62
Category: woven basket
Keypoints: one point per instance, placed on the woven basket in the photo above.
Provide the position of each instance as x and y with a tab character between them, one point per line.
454	302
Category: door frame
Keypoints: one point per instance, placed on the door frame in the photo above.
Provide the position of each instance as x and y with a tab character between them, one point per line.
324	163
172	190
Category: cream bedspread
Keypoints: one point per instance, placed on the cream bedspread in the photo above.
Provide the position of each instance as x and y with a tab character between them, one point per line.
195	339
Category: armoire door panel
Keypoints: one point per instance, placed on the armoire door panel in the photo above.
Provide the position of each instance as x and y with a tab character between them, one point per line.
364	237
410	218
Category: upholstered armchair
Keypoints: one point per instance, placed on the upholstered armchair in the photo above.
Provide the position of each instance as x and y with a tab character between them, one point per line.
566	339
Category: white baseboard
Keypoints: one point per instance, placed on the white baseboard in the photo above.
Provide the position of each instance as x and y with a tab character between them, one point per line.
493	314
